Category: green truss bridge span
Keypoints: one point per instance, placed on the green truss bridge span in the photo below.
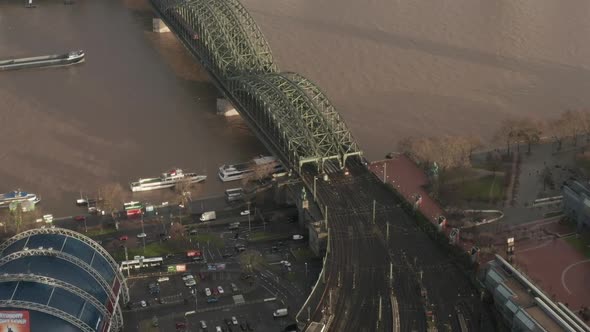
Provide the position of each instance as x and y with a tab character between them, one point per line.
288	112
370	282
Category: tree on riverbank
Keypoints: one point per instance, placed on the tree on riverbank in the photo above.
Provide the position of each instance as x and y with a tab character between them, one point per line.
528	131
569	123
448	151
507	133
111	197
183	190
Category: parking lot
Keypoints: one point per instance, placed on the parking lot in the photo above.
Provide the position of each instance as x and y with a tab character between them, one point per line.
265	277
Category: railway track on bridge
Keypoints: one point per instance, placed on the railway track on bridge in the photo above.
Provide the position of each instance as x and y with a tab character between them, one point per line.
298	124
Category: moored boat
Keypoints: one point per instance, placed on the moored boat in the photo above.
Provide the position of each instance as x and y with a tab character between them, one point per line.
234	172
167	180
17	196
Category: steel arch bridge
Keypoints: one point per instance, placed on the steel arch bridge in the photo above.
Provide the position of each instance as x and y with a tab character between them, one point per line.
288	112
296	116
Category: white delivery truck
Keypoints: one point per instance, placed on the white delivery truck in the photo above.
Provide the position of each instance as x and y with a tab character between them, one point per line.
280	313
209	215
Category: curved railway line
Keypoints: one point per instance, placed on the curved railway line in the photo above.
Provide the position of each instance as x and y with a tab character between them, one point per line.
297	123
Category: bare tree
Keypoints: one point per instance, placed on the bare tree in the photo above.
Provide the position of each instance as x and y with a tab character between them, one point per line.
420	150
259	172
182	189
567	124
584	123
528	131
112	196
447	151
507	133
17	218
176	230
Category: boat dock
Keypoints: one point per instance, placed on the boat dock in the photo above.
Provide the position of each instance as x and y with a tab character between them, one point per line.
43	61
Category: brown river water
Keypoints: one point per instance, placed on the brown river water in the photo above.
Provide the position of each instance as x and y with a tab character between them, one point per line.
140	104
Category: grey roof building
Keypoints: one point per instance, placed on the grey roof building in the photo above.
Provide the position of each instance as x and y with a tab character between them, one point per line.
525	307
65	280
576	202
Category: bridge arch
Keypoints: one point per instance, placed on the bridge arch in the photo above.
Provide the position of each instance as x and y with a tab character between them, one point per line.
228	40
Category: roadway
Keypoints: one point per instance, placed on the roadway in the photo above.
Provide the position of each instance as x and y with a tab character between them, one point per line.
360	251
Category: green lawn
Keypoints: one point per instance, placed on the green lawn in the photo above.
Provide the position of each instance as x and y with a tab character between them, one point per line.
457	173
266	236
151	250
581	243
482	189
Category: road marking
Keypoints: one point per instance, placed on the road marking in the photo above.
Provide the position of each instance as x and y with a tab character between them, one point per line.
565	272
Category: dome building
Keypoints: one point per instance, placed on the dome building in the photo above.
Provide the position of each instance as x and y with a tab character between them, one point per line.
57	280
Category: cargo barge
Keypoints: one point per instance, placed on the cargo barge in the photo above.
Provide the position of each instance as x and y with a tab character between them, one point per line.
43	61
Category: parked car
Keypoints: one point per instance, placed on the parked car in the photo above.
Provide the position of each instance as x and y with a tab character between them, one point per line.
212	300
234	288
180	326
207	292
234	320
245	213
286	263
123	238
79	218
162	279
143	304
215	291
203	324
141	235
220	289
218	329
187	276
297	237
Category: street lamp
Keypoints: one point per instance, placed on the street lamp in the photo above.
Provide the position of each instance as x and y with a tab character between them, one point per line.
249	226
315	178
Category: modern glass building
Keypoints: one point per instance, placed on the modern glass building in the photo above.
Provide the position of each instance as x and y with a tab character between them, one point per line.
576	203
62	281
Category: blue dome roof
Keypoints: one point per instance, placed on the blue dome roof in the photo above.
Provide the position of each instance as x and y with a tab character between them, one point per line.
63	278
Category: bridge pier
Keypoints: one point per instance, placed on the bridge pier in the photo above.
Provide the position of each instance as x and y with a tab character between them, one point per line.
159	26
225	108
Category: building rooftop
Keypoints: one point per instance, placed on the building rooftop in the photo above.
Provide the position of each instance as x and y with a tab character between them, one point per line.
522	296
529	305
543	319
62	280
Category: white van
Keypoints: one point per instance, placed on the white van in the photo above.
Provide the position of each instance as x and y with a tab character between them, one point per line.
280	313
